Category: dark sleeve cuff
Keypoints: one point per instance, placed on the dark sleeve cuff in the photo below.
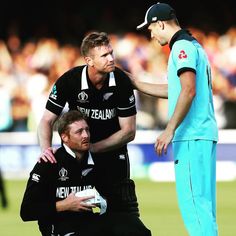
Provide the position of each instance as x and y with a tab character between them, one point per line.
184	69
54	109
127	112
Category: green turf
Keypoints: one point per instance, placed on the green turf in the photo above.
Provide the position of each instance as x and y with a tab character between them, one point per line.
158	208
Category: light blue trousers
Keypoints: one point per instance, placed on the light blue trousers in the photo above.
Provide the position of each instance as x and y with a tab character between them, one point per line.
195	173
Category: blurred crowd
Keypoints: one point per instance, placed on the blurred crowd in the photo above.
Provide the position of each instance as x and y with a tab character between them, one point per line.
29	69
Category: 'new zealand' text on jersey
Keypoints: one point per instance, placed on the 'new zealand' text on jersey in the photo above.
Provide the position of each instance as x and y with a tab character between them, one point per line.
49	183
188	55
102	107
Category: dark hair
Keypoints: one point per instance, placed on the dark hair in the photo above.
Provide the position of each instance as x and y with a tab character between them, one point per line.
92	40
68	118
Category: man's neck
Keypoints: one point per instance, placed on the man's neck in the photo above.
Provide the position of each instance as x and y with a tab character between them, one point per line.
79	155
96	78
75	154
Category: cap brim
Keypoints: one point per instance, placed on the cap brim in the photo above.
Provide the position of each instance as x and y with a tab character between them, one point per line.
142	26
145	23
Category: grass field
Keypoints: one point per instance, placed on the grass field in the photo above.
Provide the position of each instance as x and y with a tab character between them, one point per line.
158	208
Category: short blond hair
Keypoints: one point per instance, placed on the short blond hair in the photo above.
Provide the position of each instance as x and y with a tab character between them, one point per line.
92	40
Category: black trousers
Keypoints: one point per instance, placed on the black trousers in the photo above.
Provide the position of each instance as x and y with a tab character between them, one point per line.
124	224
108	224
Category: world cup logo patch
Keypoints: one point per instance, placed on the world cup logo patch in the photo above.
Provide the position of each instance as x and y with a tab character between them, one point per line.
83	97
63	174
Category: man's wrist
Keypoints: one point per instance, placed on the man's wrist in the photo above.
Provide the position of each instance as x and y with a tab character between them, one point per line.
60	206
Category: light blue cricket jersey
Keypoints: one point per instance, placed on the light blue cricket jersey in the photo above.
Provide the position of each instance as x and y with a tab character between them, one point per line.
188	55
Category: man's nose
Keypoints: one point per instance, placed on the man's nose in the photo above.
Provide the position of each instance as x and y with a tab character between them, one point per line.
85	133
110	57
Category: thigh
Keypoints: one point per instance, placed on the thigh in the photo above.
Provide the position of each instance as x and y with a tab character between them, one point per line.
124	224
93	227
195	163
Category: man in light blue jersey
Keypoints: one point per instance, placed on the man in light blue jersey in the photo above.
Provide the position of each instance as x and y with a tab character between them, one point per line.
192	127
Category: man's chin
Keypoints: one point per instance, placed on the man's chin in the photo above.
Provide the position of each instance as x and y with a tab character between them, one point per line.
85	147
110	68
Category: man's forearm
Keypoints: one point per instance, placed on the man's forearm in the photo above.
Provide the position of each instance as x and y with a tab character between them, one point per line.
182	107
118	139
114	141
156	90
45	135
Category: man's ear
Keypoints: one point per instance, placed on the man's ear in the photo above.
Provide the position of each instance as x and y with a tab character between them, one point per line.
161	24
89	61
64	137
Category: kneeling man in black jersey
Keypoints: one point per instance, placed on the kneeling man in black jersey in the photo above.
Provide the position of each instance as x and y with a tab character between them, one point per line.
51	192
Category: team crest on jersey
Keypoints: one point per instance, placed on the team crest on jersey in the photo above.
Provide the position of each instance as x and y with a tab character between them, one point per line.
63	174
83	97
182	55
106	96
86	171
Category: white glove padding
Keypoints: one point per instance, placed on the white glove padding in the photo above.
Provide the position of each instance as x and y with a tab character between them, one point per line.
97	199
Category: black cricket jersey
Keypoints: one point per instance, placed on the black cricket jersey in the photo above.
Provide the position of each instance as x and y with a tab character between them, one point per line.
49	183
103	107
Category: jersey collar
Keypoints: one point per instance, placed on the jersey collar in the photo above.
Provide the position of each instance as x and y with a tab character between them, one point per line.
181	34
84	79
70	152
112	81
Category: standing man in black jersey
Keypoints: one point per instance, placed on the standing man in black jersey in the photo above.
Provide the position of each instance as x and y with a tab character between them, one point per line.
105	95
51	193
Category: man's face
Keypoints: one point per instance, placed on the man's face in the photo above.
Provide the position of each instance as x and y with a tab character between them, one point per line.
78	136
102	58
157	31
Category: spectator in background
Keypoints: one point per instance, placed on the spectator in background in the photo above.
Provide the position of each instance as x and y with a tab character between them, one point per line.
21	61
20	109
225	63
5	109
7	85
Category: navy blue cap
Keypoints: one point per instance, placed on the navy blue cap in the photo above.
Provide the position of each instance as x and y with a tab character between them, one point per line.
158	11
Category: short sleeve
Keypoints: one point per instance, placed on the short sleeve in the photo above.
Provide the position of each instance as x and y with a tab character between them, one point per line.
185	56
58	95
126	98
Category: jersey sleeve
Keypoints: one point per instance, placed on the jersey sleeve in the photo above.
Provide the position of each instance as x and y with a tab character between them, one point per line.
39	198
126	98
58	95
185	56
